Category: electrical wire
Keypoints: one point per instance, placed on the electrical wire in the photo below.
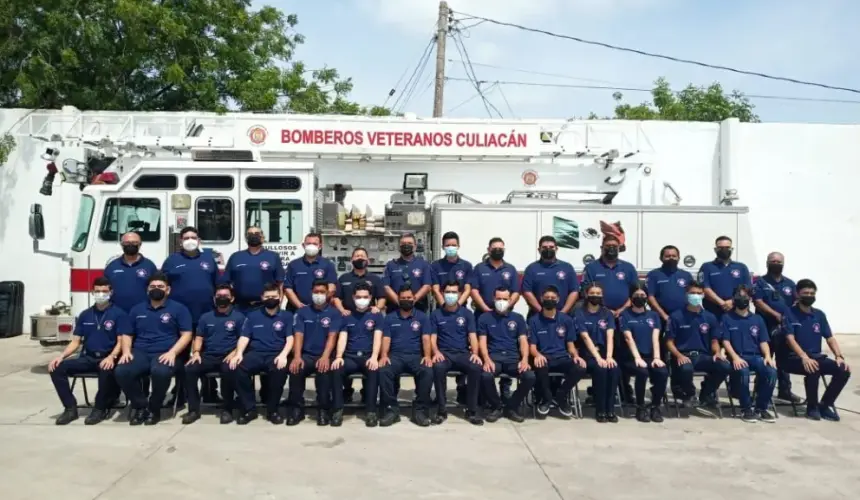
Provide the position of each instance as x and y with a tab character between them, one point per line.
467	17
537	73
422	63
470	71
508	104
486	91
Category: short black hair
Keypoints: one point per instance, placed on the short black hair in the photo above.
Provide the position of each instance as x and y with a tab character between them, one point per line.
495	239
502	289
669	247
314	235
695	284
451	235
451	283
408	235
319	282
358	249
589	286
805	284
741	288
545	239
362	286
722	238
188	229
224	286
551	289
271	287
101	281
158	276
404	288
635	287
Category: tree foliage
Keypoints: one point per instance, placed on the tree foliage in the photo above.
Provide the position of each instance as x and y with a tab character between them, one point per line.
161	55
7	144
696	104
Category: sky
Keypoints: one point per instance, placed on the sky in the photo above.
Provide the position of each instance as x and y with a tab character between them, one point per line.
376	41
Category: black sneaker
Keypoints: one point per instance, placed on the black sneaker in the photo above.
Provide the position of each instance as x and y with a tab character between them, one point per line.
323	418
152	418
827	413
390	418
440	417
765	416
656	415
95	417
514	415
226	417
190	417
790	397
813	414
275	418
68	416
612	418
642	415
564	407
474	418
543	409
248	417
371	419
138	417
749	416
601	418
493	415
337	418
420	418
295	417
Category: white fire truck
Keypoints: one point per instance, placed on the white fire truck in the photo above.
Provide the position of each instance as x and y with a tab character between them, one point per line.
155	173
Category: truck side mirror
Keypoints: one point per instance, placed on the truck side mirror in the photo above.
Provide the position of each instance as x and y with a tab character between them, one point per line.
37	222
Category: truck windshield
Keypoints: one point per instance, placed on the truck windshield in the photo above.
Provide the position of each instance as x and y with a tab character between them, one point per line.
82	226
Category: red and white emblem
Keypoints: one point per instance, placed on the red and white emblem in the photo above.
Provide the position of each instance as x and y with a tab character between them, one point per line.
682	282
787	290
141	273
512	325
816	327
754	331
561	331
416	325
108	325
736	273
602	324
278	326
230	325
264	265
620	275
319	273
369	324
461	320
204	266
325	321
704	328
460	274
257	135
560	275
506	275
416	272
165	318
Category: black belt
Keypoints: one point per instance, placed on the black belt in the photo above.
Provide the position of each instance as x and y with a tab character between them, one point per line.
98	355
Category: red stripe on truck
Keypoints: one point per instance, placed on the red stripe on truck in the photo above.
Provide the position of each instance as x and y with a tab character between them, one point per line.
81	280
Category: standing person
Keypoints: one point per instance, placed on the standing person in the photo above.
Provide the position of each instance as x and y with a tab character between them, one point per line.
451	268
805	327
773	295
667	285
97	329
408	270
303	272
721	277
129	273
550	271
248	270
596	327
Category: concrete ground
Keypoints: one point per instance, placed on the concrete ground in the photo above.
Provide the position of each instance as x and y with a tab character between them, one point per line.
692	457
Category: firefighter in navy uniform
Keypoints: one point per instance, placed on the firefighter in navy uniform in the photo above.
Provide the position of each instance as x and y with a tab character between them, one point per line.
129	273
303	272
248	270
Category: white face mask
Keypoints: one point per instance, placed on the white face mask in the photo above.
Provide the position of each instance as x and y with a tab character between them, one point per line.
362	304
101	298
501	306
451	299
319	298
190	245
312	250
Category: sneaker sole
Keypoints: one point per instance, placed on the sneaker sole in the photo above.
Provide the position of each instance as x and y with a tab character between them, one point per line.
706	411
767	420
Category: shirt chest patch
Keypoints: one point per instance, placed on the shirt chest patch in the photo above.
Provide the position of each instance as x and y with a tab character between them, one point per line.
108	325
560	275
682	282
416	272
229	325
319	273
704	328
506	275
141	273
754	331
325	321
264	265
416	325
736	273
278	326
560	330
787	290
461	321
512	326
165	318
460	274
205	266
650	322
602	324
620	275
369	324
816	327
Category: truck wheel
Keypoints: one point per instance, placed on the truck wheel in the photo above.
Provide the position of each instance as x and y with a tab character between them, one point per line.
44	343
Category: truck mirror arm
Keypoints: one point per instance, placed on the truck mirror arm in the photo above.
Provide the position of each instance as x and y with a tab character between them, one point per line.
57	255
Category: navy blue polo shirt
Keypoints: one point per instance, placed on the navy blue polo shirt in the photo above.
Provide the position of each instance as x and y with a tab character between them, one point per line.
406	332
99	329
641	326
808	329
779	295
400	271
558	273
128	282
551	335
669	288
192	280
745	333
452	329
316	325
692	331
156	329
723	279
486	278
360	327
268	333
346	286
503	332
248	272
444	270
595	324
301	274
220	331
615	280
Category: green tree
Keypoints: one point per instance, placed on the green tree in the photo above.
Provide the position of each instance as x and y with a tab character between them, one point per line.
695	104
161	55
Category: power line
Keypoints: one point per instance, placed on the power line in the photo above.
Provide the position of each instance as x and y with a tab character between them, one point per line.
655	55
538	73
470	71
488	90
422	63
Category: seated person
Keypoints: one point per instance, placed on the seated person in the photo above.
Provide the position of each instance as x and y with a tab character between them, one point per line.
552	338
160	331
358	347
263	347
805	327
315	334
746	341
596	326
454	343
405	349
97	328
211	350
641	330
503	340
693	344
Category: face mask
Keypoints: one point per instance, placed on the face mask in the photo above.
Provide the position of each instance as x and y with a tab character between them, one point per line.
724	253
595	300
547	253
222	301
190	245
451	252
638	301
741	302
130	249
549	304
501	306
362	304
451	299
312	250
254	240
774	269
272	303
497	254
695	299
101	298
156	294
406	305
406	250
670	264
806	300
359	264
610	252
319	298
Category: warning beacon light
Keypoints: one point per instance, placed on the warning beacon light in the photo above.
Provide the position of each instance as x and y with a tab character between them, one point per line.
50	155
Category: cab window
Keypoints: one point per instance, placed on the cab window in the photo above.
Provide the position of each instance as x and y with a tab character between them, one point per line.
82	226
214	218
280	220
141	215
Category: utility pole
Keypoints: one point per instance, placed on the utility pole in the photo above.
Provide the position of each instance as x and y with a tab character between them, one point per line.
441	38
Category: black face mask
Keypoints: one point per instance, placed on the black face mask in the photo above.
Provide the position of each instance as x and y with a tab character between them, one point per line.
595	300
774	269
406	250
222	301
497	254
359	263
610	253
741	302
254	240
724	253
639	301
670	264
549	304
156	294
272	303
547	253
806	300
130	249
406	305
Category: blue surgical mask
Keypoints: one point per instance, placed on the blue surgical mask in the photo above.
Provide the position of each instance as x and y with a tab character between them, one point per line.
451	299
450	252
695	299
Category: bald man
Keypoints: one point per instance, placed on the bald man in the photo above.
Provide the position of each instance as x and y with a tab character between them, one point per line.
128	274
773	295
